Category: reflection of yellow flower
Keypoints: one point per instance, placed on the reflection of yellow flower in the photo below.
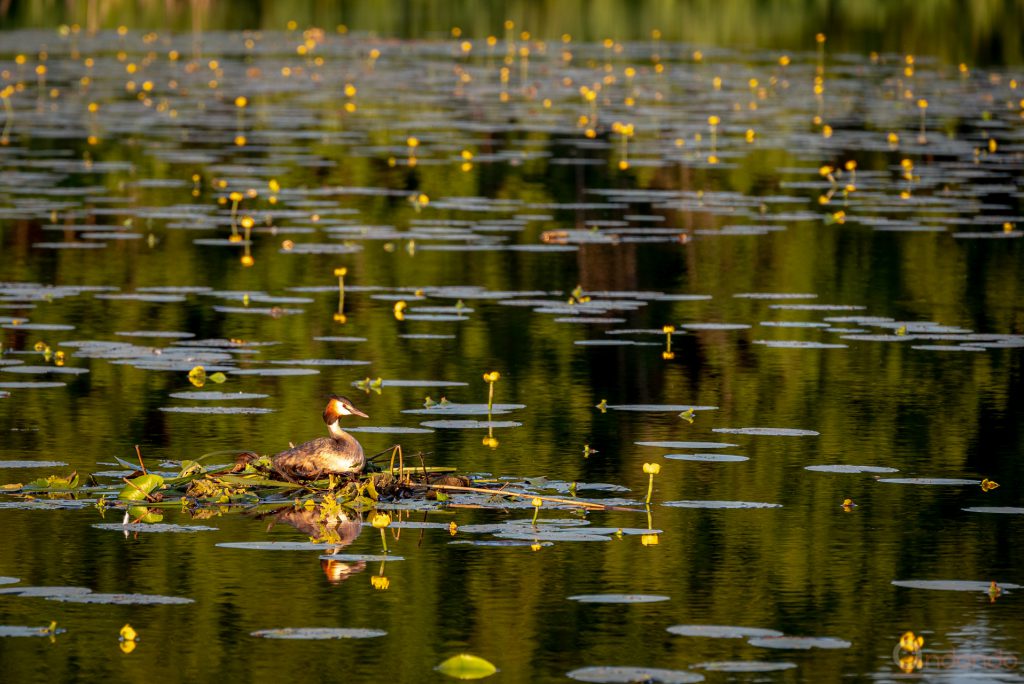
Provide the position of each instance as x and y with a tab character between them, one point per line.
490	442
380	583
453	528
399	309
380	520
910	663
988	485
128	646
535	546
649	539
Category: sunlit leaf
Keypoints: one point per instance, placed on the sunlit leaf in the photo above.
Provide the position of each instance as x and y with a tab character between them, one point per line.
466	666
139	488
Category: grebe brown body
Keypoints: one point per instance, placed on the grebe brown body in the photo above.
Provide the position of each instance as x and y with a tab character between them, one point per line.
317	458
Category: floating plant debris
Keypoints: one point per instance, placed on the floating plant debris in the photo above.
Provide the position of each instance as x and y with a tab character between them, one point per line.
319	633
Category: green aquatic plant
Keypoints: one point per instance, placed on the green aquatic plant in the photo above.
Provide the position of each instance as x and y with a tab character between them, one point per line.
651	469
381	521
668	354
490	379
340	273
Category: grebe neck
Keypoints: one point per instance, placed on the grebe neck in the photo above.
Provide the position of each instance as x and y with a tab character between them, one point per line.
336	431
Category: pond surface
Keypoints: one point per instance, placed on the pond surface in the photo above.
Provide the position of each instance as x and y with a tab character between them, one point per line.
779	273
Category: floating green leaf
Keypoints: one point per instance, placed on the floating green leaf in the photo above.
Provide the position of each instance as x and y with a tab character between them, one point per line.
140	488
466	666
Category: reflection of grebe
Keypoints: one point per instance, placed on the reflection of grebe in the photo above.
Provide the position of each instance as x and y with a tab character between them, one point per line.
341	532
339	453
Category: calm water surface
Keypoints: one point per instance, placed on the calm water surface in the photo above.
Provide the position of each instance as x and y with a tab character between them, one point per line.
873	307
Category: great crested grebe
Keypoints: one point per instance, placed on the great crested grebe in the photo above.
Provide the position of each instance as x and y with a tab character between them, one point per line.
339	453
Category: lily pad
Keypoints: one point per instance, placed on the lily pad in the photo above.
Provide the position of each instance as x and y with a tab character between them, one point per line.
276	546
778	432
721	504
619	598
952	585
361	557
20	631
847	468
741	666
123	599
799	344
319	633
153	527
708	458
390	430
218	396
722	631
798	642
469	424
630	675
687	445
46	592
219	410
660	408
929	481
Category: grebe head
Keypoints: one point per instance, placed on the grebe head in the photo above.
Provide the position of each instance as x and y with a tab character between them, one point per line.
340	406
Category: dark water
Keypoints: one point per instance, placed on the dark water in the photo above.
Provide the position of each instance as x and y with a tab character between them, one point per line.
924	273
